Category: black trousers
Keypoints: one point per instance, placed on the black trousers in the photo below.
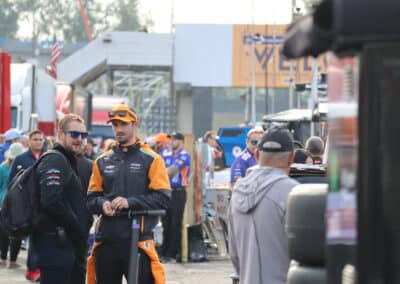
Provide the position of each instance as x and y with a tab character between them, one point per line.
9	244
172	224
31	261
55	258
59	262
112	262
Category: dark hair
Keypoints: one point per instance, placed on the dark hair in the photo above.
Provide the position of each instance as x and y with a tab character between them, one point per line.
315	145
300	156
34	132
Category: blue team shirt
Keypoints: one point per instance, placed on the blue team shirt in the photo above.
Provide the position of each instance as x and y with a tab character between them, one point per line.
181	160
242	162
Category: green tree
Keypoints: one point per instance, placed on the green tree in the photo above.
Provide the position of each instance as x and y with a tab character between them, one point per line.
59	17
8	18
126	13
63	18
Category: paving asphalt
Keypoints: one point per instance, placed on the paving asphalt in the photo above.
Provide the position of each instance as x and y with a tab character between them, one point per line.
211	272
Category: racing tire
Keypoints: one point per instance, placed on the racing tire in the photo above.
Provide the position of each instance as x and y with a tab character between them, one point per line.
300	274
305	223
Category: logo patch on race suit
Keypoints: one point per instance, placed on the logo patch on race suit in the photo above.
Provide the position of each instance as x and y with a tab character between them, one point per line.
109	169
53	177
134	167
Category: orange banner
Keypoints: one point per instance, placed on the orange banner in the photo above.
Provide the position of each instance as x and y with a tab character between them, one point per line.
257	50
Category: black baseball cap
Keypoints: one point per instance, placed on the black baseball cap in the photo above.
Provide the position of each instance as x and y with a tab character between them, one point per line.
177	136
276	140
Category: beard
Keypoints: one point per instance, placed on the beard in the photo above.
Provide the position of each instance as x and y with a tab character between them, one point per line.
76	149
122	140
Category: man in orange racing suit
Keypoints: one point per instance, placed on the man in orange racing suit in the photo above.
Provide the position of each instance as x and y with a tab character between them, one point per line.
128	176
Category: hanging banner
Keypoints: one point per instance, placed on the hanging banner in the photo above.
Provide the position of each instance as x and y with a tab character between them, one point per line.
257	49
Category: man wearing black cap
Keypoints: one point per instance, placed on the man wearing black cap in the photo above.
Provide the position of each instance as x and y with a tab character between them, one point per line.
177	162
257	238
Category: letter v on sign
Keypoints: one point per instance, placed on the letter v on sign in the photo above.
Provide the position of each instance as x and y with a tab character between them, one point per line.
264	57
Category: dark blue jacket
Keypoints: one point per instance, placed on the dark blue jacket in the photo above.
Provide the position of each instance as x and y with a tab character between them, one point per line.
21	162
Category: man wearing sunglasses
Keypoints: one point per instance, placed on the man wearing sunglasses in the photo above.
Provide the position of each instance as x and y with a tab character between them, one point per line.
246	159
128	176
60	238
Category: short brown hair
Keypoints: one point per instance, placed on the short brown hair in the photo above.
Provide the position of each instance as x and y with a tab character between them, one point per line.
65	121
34	132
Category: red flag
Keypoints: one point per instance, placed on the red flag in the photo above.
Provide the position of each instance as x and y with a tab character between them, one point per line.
55	54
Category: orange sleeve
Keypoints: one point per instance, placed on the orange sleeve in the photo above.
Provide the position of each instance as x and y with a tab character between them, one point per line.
158	174
96	180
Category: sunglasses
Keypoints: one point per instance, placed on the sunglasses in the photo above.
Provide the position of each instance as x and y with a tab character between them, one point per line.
76	134
254	142
120	113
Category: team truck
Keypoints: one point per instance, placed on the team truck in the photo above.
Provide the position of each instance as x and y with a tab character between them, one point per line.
33	96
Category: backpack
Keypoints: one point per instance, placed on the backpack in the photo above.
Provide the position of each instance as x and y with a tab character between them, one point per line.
20	212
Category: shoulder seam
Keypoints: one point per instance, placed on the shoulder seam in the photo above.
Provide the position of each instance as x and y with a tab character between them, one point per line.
148	153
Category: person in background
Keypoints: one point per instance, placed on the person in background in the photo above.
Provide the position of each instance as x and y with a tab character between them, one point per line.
107	144
24	140
161	143
7	243
302	156
2	138
315	145
246	159
10	136
22	162
178	168
89	149
214	150
257	238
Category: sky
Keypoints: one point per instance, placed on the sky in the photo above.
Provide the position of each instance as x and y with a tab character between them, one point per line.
215	12
162	12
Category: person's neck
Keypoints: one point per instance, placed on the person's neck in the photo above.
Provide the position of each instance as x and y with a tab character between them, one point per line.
129	143
36	152
176	150
285	169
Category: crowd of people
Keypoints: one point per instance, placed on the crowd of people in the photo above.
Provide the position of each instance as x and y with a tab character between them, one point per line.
79	182
129	174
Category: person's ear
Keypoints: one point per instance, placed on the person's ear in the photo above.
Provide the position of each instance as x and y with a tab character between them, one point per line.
291	157
60	133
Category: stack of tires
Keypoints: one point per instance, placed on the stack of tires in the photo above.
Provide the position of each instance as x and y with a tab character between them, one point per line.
305	229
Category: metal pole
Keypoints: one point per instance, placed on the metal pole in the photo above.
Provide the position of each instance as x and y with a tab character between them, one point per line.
253	84
246	106
134	259
253	70
314	90
291	86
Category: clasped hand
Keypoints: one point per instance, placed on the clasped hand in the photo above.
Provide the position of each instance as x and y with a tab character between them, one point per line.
117	203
